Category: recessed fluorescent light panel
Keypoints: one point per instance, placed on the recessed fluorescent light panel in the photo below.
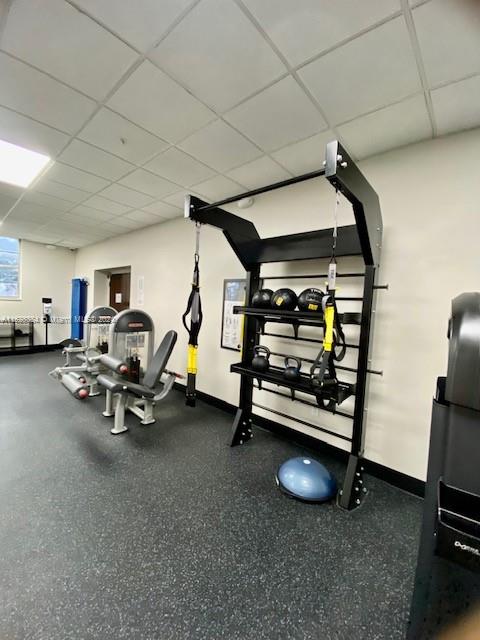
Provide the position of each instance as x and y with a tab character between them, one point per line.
20	166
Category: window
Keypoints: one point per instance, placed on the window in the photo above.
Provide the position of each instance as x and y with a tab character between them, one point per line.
9	268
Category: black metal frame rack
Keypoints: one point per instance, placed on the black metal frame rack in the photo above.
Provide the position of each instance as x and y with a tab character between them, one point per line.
17	334
360	239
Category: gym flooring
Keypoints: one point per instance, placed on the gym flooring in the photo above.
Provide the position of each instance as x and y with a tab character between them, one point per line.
165	532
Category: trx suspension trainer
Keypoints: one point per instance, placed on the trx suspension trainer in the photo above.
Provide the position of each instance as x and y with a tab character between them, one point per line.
322	372
194	308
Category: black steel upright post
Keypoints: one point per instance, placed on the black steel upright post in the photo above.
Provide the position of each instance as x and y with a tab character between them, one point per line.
354	489
242	425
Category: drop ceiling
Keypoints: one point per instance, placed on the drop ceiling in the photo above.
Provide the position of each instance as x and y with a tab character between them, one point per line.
140	102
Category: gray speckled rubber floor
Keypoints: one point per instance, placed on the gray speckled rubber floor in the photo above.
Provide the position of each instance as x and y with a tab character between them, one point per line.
166	533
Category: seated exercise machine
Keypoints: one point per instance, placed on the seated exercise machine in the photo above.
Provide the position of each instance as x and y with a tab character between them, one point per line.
447	580
85	360
140	398
131	339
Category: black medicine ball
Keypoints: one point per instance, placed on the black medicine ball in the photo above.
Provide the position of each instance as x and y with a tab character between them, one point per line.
310	300
262	298
284	299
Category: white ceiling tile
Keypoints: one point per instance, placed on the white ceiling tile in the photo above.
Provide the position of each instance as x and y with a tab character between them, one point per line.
220	146
57	38
41	238
143	216
85	221
449	35
457	106
75	242
162	209
126	196
46	200
44	185
179	167
75	178
63	228
149	183
394	126
32	212
235	60
103	204
155	102
27	133
83	156
303	29
126	223
112	132
67	244
83	211
377	69
218	187
178	199
112	230
35	94
18	229
141	23
11	190
259	173
304	156
278	116
6	203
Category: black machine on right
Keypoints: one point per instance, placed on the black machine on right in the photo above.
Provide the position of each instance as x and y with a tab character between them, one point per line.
447	581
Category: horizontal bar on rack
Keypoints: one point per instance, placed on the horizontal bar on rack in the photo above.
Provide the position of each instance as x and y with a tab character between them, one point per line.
303	401
337	366
265	189
312	340
313	275
304	422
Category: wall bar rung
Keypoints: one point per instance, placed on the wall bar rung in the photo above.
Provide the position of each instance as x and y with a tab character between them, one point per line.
307	402
311	340
337	366
313	275
304	422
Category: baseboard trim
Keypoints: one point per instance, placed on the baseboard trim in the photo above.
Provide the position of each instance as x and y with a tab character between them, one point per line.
391	476
41	348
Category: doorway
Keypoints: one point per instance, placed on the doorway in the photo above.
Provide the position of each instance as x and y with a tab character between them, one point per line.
120	291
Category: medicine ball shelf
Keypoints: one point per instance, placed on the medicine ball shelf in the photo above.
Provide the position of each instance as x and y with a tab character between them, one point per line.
361	239
309	319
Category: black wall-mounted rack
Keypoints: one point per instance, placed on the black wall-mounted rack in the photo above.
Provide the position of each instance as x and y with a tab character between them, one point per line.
364	238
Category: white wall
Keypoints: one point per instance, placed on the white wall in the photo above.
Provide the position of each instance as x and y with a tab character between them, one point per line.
429	195
44	274
101	290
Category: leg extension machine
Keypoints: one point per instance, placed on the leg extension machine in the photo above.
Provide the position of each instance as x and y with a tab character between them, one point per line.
141	398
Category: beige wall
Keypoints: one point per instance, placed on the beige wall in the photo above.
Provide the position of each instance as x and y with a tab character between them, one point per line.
429	195
44	274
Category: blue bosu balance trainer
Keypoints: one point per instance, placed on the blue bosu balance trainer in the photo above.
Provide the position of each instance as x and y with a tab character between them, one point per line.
306	479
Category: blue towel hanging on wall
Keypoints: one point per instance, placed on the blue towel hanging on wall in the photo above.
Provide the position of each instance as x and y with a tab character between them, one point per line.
79	307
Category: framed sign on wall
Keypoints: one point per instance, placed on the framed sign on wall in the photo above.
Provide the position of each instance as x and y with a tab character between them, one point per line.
232	324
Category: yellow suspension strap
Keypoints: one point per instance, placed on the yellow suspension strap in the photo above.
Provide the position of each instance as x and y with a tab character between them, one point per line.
194	308
332	329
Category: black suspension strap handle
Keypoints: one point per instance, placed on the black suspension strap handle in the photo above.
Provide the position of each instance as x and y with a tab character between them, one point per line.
194	309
